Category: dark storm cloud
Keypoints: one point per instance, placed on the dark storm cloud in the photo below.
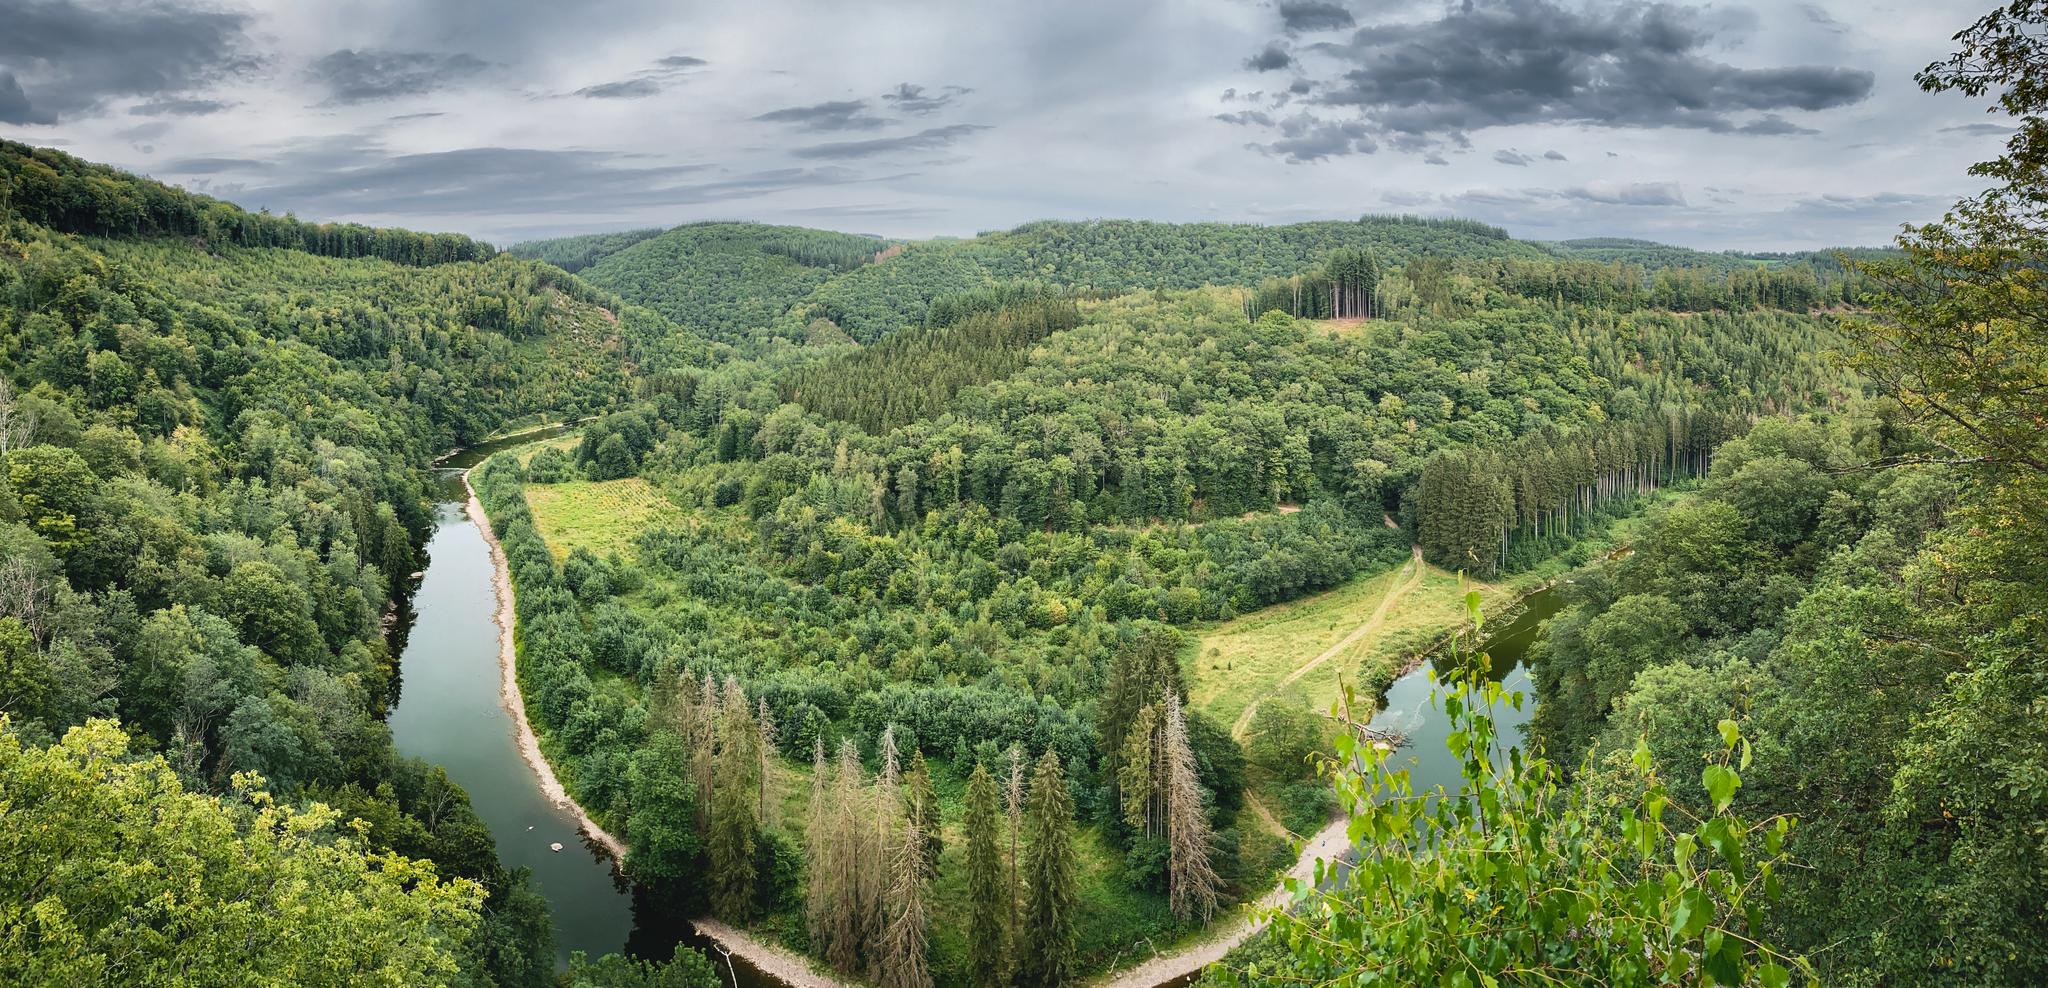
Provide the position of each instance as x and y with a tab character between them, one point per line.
334	179
62	58
914	99
14	104
831	115
1492	63
367	75
931	139
179	107
1312	15
1269	59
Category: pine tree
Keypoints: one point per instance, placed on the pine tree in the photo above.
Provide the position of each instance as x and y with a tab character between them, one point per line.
924	812
903	961
1192	885
1051	882
991	895
1014	806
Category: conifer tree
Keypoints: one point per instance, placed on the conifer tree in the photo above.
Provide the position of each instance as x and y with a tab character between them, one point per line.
1014	805
1051	882
885	803
735	825
904	964
991	896
840	861
822	896
768	749
1138	778
924	812
1192	885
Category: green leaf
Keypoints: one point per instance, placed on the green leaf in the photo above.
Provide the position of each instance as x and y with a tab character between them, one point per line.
1730	732
1720	782
1773	975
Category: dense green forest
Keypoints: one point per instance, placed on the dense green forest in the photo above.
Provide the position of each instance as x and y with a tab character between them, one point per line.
215	443
867	597
985	541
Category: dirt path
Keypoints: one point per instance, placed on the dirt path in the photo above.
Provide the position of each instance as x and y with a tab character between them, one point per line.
768	957
1326	845
1414	569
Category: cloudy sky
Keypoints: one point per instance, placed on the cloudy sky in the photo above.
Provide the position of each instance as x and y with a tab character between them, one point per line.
1765	124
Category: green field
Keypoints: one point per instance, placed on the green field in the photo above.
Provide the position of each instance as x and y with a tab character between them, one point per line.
600	516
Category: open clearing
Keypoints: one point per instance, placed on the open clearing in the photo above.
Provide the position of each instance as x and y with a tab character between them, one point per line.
602	516
1295	652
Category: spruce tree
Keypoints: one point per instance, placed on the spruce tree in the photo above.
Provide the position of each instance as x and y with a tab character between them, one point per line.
1192	885
735	825
903	961
924	812
1052	890
990	894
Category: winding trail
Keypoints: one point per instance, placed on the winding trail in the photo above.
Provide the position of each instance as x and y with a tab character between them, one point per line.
1325	845
1413	568
769	958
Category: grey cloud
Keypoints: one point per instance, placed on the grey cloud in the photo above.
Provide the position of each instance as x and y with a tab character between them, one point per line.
1773	125
1507	157
646	82
179	107
211	166
14	104
1407	199
1490	63
64	58
832	115
1628	193
367	75
931	139
337	179
1433	158
915	99
1304	138
1313	15
1880	202
1246	117
1554	155
1978	130
1269	59
623	89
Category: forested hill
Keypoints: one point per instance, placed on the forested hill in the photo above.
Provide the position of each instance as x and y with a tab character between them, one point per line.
213	470
56	190
740	282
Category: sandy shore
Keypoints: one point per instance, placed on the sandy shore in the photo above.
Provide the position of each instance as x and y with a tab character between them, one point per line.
508	688
774	960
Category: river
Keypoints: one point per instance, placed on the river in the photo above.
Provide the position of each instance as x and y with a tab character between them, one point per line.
449	712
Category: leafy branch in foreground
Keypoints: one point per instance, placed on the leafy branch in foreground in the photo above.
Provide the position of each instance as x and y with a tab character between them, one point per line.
1520	877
